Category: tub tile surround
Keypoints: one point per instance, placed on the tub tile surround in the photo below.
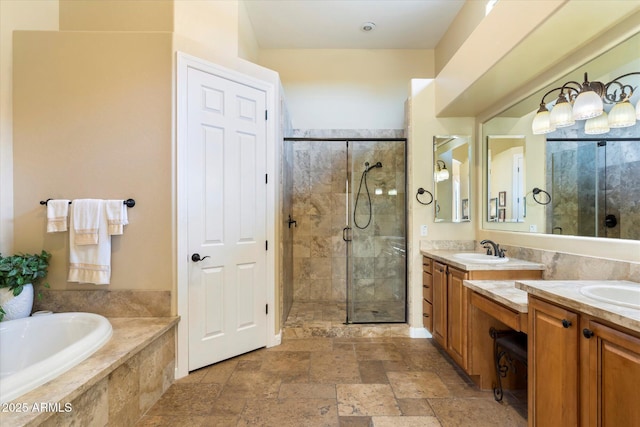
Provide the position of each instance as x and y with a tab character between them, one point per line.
117	303
114	386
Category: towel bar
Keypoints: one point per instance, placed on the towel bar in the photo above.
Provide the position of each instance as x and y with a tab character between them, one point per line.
129	202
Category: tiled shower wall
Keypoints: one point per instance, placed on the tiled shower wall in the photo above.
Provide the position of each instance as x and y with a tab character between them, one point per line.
319	207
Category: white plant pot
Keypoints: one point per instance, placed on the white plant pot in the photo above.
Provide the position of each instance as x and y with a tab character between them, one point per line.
17	307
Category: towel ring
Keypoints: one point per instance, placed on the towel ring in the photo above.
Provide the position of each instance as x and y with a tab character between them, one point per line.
422	191
536	191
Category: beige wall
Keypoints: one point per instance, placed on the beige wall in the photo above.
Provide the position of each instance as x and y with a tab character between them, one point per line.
423	126
93	119
116	15
471	14
14	15
347	89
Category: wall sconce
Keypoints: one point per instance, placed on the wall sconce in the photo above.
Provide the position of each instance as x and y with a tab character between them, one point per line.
586	102
441	173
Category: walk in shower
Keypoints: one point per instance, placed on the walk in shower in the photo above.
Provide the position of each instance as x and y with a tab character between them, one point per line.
348	204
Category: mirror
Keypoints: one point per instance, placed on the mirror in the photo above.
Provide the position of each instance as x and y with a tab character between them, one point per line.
589	194
506	178
451	178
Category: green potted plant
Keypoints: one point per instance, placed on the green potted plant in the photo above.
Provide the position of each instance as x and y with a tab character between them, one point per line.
18	274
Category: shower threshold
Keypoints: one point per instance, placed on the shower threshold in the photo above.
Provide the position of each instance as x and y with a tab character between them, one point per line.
327	319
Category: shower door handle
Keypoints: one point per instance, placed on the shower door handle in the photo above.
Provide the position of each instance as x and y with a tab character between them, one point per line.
345	234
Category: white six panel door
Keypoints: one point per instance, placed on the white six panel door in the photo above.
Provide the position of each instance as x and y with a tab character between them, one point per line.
226	219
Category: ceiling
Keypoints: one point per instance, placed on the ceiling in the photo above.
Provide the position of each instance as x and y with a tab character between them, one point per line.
336	24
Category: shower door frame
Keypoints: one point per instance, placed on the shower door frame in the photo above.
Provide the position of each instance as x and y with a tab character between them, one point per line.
347	229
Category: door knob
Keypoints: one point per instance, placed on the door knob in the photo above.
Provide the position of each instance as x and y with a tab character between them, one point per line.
196	257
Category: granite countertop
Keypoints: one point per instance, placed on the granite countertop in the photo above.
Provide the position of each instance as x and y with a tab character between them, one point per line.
449	258
502	291
567	293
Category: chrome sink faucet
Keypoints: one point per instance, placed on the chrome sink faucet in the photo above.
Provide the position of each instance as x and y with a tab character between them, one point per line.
494	249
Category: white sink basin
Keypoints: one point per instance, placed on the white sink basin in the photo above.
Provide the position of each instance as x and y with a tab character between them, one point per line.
624	295
477	258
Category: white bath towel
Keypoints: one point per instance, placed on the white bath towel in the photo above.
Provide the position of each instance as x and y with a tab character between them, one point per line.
90	263
86	219
116	216
57	215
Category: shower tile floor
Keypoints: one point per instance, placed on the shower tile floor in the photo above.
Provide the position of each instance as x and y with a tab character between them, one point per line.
327	319
341	381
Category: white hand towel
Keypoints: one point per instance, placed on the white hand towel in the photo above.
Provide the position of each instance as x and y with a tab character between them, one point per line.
86	214
116	216
90	263
57	215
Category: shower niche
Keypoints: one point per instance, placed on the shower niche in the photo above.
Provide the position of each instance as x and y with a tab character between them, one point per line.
349	246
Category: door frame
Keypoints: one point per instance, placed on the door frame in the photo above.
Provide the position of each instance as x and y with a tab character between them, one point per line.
181	261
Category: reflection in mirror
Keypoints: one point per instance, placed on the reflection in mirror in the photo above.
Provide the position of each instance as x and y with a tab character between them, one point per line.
505	178
451	177
595	187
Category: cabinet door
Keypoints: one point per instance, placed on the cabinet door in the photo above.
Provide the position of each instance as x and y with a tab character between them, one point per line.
440	303
457	310
553	372
614	376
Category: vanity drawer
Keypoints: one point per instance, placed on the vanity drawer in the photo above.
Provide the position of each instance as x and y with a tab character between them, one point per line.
427	286
427	315
511	318
427	265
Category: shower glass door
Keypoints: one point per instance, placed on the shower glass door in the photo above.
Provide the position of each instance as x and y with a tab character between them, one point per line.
376	215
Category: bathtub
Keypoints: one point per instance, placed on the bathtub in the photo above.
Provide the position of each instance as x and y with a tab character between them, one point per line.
37	349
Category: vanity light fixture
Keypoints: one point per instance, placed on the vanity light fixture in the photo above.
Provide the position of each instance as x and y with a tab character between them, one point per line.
441	174
586	102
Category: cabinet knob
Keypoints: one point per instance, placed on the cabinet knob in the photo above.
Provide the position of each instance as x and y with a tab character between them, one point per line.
566	323
588	333
425	286
425	315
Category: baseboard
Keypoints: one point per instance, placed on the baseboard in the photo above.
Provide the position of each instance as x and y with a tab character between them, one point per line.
419	333
277	339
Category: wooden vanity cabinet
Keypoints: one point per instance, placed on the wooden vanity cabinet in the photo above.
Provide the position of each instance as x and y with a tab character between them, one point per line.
585	372
612	371
427	293
553	377
439	331
457	311
450	305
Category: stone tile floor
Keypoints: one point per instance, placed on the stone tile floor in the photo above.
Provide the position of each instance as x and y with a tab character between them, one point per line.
326	373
